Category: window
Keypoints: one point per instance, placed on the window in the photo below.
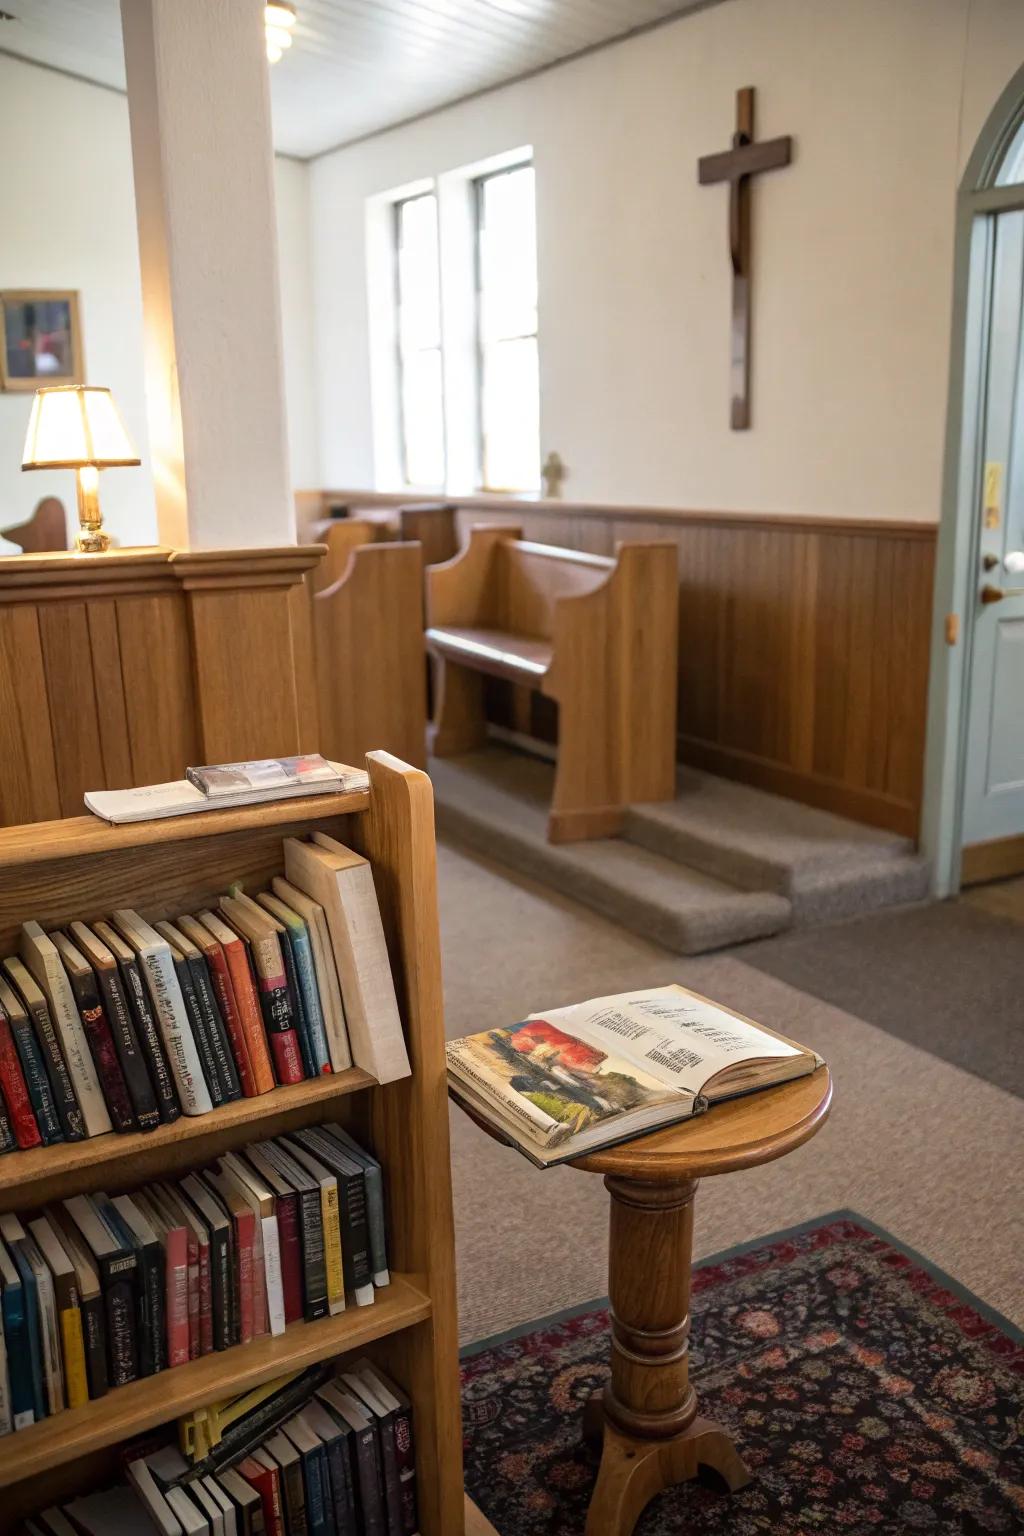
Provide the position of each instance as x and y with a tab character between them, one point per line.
508	385
418	338
1012	168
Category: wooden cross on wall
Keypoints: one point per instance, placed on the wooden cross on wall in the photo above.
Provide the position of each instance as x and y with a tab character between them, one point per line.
736	166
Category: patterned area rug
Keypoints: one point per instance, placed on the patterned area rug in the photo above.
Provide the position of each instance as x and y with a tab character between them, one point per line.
866	1392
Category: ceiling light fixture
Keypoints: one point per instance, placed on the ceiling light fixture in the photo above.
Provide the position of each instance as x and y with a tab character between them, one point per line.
278	21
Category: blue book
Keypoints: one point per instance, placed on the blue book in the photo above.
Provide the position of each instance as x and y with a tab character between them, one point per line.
295	929
36	1081
19	1361
315	1478
13	1234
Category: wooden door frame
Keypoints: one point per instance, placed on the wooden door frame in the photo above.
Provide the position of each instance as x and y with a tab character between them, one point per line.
956	568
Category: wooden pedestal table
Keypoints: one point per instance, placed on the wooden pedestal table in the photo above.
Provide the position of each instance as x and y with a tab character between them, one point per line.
653	1434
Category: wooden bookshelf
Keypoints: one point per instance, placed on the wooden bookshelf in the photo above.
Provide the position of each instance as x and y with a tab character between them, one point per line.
144	1404
82	868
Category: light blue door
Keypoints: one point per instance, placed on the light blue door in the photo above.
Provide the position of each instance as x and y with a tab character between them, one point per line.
994	781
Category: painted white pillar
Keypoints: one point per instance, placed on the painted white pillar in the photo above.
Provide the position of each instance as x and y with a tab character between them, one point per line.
199	103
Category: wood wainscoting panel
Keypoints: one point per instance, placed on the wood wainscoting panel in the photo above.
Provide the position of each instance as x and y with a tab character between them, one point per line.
67	659
803	644
246	710
156	668
28	764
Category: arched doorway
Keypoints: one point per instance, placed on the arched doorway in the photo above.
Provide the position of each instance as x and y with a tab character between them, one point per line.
973	827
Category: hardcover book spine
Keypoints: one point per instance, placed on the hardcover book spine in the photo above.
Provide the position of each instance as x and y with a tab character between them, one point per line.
405	1456
73	1349
305	968
206	1342
153	1346
371	1502
272	1272
19	1360
296	1003
277	1015
204	1045
8	1141
149	1038
75	1046
355	1247
176	1295
129	1052
339	1469
318	1514
294	1499
15	1090
119	1291
177	1036
104	1055
36	1081
244	1257
222	1284
313	1264
226	1069
65	1100
290	1244
94	1333
332	1247
220	977
251	1017
389	1468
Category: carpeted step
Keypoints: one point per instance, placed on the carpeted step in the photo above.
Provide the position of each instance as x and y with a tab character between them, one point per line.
826	866
496	802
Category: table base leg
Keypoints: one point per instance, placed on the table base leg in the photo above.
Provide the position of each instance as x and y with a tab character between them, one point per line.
633	1471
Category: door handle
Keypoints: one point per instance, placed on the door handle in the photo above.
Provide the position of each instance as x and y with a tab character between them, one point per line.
990	594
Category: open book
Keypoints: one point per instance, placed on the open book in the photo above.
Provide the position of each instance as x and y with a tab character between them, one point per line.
575	1079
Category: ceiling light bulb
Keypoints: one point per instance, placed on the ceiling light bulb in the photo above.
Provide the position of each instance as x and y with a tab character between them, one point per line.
277	37
279	14
273	53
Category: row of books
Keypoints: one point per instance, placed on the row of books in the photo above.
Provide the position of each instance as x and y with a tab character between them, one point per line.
124	1025
341	1463
98	1291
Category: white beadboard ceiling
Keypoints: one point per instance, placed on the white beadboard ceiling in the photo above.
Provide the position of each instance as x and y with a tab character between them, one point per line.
358	66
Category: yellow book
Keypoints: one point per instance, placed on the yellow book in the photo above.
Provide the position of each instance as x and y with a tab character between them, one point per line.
331	1214
201	1430
76	1382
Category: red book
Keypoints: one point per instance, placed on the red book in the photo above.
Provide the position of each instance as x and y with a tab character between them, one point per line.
98	1033
220	976
15	1090
246	999
254	925
267	1482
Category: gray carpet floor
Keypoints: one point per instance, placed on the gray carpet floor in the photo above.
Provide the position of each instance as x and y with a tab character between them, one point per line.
948	977
927	1149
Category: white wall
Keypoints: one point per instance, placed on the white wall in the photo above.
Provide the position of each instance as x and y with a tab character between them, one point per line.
853	252
68	221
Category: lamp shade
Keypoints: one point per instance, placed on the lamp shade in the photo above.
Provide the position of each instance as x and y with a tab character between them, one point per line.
76	424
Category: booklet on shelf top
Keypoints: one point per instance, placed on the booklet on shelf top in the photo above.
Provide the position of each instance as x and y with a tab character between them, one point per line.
225	785
574	1080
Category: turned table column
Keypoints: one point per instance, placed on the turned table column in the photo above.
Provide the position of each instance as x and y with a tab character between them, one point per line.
653	1436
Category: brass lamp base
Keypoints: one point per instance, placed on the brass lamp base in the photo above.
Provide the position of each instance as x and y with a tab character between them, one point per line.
92	540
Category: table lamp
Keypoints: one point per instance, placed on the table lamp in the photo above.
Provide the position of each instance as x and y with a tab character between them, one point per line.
78	426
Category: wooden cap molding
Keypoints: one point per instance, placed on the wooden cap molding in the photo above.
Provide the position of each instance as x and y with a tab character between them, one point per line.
149	569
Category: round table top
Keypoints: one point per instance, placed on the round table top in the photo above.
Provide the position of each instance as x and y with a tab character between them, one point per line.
738	1133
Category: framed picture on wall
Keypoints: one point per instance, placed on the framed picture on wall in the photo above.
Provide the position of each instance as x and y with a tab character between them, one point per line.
40	339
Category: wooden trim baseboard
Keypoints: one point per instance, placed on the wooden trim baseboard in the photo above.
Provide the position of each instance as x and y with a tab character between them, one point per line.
877	810
996	860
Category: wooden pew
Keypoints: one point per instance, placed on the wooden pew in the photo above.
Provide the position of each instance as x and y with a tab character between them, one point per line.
367	648
45	531
598	635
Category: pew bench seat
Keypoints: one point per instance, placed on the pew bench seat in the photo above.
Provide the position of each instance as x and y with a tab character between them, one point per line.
498	652
597	635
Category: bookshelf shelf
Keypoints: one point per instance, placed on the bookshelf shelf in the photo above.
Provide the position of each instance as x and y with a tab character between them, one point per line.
130	1410
82	868
32	1178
